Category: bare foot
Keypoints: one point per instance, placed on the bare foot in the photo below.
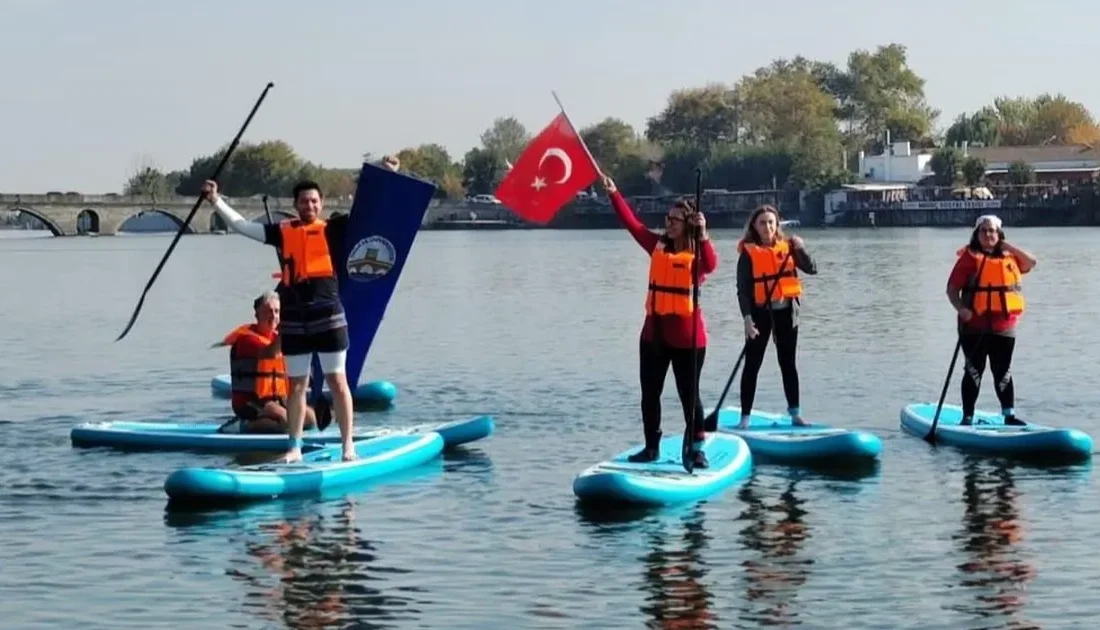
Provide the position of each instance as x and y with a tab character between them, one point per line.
799	422
293	456
744	424
349	453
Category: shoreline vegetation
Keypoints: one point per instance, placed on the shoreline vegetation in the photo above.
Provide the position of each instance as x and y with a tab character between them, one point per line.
794	129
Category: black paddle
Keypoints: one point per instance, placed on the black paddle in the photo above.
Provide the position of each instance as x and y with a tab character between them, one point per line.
711	421
194	209
323	414
931	437
686	454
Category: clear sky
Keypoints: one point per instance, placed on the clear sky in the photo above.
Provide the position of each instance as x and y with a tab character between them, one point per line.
91	86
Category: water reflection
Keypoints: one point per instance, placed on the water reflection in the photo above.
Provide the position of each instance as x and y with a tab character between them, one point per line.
310	568
996	571
777	532
675	578
674	572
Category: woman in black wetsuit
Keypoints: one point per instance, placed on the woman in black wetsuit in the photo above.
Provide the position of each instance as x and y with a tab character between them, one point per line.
768	257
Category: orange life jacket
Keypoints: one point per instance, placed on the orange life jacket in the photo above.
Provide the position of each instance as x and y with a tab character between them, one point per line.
1000	277
264	378
669	290
305	252
784	283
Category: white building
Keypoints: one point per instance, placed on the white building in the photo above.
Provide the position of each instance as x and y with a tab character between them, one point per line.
898	164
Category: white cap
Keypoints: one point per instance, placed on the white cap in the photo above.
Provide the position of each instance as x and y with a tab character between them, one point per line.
993	219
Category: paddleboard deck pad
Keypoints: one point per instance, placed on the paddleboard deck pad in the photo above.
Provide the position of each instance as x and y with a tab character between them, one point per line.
319	471
664	481
774	437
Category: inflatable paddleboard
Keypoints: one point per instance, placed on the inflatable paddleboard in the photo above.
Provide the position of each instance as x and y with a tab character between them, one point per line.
319	471
664	481
371	393
772	436
989	434
192	436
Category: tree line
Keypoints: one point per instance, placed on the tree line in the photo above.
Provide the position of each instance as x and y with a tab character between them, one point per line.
794	123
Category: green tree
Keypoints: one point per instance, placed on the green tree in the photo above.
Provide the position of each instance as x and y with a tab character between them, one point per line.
266	168
433	162
148	181
482	171
1020	173
270	167
946	164
700	116
982	128
786	109
505	138
881	91
1016	121
335	183
620	152
973	170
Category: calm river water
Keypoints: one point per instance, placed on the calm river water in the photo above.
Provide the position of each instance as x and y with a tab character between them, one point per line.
540	329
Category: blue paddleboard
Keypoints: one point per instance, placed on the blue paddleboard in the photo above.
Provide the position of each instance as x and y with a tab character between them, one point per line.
989	434
374	393
319	471
772	436
193	436
665	482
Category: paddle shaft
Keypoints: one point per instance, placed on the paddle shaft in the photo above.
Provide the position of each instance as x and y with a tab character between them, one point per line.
689	430
737	366
194	209
931	437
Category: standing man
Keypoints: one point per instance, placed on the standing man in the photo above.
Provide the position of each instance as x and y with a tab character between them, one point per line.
313	319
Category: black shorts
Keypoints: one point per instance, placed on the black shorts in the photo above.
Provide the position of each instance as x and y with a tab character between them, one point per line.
251	410
319	327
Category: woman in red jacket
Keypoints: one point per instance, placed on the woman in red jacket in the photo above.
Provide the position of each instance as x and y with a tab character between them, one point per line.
667	331
984	287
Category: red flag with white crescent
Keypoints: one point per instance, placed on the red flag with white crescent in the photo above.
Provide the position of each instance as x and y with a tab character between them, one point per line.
552	169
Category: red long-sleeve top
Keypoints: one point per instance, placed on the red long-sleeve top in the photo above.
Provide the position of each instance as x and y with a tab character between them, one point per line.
675	329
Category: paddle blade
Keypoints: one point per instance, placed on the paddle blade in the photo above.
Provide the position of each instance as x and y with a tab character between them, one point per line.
710	423
134	316
387	213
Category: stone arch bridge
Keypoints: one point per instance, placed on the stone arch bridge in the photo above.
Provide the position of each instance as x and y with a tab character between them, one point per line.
73	214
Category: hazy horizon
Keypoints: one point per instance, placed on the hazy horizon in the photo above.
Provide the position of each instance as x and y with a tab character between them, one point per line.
102	87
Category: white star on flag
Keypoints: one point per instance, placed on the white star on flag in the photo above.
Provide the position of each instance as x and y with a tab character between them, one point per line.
539	183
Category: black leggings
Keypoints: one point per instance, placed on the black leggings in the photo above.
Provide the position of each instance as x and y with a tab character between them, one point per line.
976	348
786	345
654	361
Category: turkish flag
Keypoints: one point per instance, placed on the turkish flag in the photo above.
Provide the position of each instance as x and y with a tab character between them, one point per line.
549	173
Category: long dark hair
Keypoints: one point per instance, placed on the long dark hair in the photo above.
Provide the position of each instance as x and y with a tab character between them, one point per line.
975	244
688	206
751	236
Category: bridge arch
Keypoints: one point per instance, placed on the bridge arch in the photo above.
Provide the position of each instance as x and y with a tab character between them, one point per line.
87	222
54	228
176	220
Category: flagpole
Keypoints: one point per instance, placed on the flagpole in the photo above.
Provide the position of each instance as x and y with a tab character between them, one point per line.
563	113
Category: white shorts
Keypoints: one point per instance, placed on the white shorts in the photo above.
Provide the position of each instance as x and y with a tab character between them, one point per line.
298	365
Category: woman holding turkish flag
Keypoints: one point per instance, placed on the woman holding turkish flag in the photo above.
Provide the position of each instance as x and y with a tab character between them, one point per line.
666	337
